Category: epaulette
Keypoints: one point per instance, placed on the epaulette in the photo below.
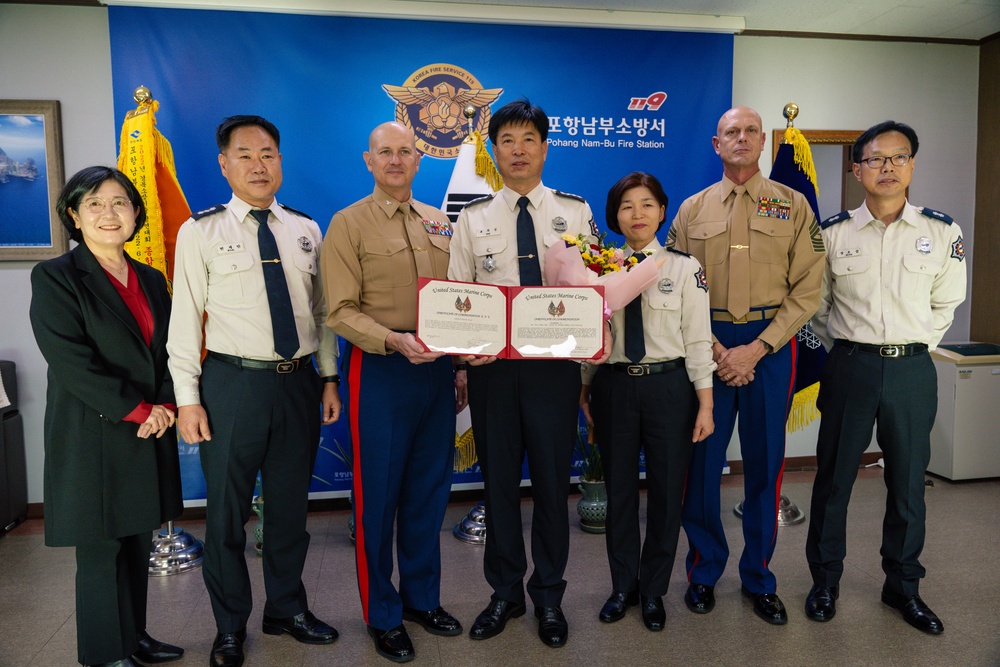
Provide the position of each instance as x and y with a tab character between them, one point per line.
208	211
481	200
570	196
937	215
679	252
296	211
834	219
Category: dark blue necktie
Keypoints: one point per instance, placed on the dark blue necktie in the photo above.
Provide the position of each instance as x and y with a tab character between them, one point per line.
635	339
286	339
527	251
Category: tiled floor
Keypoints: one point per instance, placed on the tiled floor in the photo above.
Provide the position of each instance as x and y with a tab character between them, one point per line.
962	557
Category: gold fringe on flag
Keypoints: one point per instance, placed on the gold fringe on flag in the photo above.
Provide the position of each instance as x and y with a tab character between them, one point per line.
485	166
804	409
803	156
465	451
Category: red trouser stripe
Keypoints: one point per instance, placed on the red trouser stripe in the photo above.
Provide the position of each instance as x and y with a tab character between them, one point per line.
354	378
794	347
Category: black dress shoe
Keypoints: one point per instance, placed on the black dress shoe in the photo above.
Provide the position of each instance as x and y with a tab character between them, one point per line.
305	627
914	611
614	609
492	620
653	614
768	606
153	651
821	603
700	598
436	621
552	626
393	644
227	649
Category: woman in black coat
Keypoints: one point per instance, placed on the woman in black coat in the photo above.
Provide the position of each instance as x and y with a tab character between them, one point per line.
111	467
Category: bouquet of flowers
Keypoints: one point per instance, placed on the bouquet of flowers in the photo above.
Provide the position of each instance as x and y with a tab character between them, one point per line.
579	262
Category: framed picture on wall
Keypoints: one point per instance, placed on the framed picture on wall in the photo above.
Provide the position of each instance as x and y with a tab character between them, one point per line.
31	176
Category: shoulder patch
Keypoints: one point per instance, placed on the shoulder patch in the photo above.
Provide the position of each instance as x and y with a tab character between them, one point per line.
570	196
834	219
937	215
204	213
481	200
296	211
678	252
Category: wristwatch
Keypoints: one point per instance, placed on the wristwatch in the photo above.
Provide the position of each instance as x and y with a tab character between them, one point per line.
335	379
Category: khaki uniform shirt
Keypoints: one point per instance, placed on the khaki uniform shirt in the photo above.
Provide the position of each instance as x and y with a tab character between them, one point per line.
675	318
786	255
486	233
890	285
373	254
217	272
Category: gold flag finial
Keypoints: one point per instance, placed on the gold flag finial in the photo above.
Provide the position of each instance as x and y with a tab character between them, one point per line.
790	111
144	99
470	113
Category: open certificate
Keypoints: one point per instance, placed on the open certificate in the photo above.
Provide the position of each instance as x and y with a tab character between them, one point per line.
511	322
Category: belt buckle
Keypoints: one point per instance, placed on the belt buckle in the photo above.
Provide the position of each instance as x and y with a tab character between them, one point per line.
635	370
890	351
284	367
742	320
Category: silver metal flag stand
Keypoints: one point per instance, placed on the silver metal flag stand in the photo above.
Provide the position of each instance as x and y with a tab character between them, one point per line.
472	529
174	551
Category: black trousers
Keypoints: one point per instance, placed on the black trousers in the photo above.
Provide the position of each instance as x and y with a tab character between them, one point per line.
899	396
260	420
518	408
654	413
111	583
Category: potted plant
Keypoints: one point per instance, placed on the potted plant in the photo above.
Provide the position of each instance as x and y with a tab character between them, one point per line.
593	506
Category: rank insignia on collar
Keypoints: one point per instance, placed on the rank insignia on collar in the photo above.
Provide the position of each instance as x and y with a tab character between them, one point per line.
770	207
305	244
489	264
437	228
958	249
701	280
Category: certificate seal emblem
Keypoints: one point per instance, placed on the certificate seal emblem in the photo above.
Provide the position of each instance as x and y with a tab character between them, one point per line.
489	264
924	245
559	224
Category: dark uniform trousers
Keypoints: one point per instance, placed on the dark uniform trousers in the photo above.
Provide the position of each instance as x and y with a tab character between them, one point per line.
403	440
528	407
267	421
111	587
858	390
655	413
763	407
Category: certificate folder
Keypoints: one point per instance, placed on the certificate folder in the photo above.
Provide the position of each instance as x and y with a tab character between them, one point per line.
510	322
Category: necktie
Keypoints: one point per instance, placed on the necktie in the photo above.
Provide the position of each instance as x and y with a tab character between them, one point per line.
286	339
635	339
527	251
416	235
739	256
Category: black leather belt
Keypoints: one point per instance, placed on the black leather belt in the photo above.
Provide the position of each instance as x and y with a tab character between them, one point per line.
648	369
888	351
282	367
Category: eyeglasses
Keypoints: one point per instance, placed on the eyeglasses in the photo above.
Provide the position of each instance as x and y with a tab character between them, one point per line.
878	161
96	205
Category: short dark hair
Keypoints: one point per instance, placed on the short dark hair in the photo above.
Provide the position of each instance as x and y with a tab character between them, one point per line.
86	181
519	112
225	130
636	179
857	151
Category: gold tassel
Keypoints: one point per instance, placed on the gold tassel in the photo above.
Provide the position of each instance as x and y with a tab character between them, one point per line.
485	166
804	409
803	156
465	451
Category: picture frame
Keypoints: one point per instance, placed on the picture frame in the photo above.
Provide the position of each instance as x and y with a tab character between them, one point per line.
31	177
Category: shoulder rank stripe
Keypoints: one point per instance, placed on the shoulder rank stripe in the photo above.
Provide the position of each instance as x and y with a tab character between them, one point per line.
937	215
208	211
834	219
570	196
678	252
481	200
295	211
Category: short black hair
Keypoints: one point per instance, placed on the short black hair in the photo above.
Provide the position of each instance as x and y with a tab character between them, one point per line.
857	151
636	179
225	130
519	112
88	180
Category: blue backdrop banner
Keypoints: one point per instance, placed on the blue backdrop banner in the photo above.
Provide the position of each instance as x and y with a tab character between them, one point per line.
618	101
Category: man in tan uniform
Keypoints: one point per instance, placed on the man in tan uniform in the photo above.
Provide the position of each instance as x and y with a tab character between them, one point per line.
763	255
402	400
